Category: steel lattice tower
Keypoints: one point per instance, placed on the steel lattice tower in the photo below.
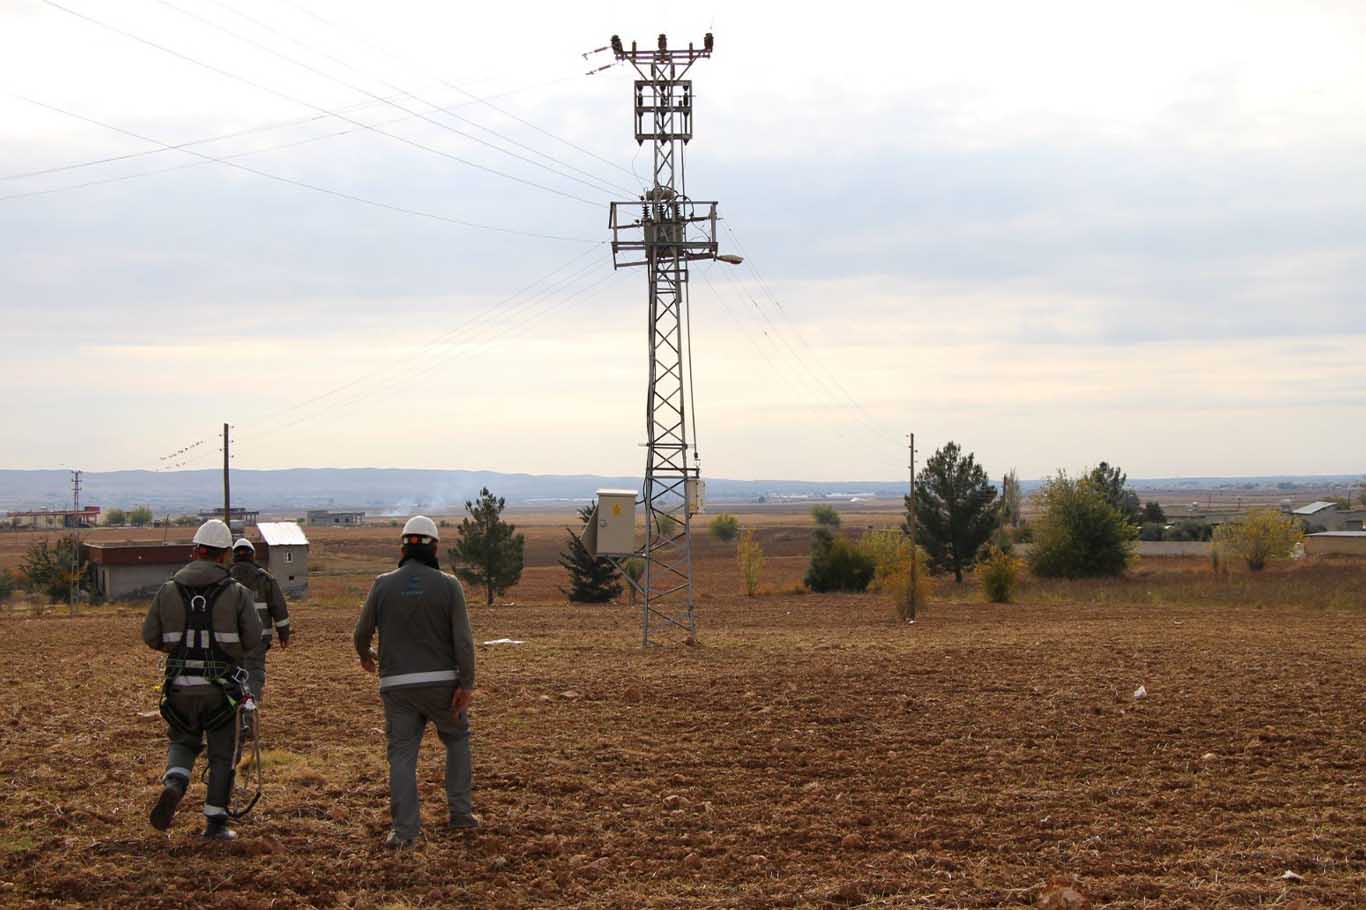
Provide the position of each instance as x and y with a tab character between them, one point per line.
663	231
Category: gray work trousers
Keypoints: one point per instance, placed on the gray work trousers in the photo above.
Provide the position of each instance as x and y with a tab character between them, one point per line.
406	713
185	747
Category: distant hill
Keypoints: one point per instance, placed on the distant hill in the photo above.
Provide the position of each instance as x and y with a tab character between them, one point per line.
405	490
376	490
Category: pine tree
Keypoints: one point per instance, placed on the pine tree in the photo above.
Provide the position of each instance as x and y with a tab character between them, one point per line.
488	553
955	509
592	579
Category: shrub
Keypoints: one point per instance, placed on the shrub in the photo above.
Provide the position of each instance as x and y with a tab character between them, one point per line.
999	574
825	516
48	570
116	518
1190	529
749	556
1152	530
724	527
1024	533
1259	537
1080	533
635	570
1153	512
7	584
891	553
140	517
837	564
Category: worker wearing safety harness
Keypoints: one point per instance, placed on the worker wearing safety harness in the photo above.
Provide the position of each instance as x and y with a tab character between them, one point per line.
426	673
206	623
270	609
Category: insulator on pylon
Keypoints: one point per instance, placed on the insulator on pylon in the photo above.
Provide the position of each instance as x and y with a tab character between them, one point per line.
616	44
663	42
707	42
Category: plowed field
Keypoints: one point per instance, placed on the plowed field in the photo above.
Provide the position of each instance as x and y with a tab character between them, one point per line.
810	753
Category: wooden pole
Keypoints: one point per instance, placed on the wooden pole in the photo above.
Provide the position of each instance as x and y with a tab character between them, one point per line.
227	496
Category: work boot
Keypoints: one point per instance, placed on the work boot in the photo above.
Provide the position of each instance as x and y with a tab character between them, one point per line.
465	821
172	791
216	828
395	841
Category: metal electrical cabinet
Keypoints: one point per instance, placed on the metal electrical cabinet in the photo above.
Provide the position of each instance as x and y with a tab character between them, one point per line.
613	530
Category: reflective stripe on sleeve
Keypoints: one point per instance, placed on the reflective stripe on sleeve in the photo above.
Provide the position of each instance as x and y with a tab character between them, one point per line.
263	607
227	636
417	679
282	623
168	638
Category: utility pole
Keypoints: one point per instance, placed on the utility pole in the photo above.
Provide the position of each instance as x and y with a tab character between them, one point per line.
663	230
913	596
227	497
76	548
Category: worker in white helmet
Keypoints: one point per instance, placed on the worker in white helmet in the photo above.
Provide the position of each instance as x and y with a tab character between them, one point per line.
206	623
426	673
270	609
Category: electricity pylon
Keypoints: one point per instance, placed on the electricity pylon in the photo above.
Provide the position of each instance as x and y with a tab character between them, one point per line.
663	231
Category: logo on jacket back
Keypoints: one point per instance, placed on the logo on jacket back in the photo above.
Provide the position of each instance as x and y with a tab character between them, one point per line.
414	588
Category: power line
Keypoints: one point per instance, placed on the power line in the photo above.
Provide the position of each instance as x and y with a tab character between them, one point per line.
340	194
288	97
265	127
353	68
485	101
356	88
439	340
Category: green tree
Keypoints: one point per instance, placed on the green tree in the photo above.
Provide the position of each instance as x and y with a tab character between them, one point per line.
1011	511
592	579
724	527
1080	533
1153	512
1113	483
140	517
48	569
955	509
487	552
7	584
1259	537
825	515
116	518
837	564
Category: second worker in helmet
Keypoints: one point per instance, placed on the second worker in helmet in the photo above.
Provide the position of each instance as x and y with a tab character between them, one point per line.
426	674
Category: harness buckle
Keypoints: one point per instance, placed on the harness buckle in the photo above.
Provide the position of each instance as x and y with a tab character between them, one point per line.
199	603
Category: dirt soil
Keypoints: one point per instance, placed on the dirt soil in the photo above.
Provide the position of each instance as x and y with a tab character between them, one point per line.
810	753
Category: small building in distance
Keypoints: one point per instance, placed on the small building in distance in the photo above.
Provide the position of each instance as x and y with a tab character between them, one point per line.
125	570
1328	516
1335	543
283	551
318	518
87	517
240	517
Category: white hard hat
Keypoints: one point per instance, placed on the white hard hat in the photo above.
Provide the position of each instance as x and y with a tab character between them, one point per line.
244	544
422	526
213	533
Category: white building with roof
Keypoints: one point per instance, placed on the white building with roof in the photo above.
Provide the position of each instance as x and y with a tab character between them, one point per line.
283	551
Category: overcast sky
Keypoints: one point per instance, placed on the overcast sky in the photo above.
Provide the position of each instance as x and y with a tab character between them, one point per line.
1054	232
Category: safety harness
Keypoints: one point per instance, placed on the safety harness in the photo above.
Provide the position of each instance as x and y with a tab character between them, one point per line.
198	660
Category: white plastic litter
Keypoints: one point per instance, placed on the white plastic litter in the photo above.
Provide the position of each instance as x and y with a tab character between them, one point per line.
1289	876
1141	692
505	641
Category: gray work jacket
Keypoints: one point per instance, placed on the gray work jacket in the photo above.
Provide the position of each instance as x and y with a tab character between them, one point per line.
424	630
270	600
